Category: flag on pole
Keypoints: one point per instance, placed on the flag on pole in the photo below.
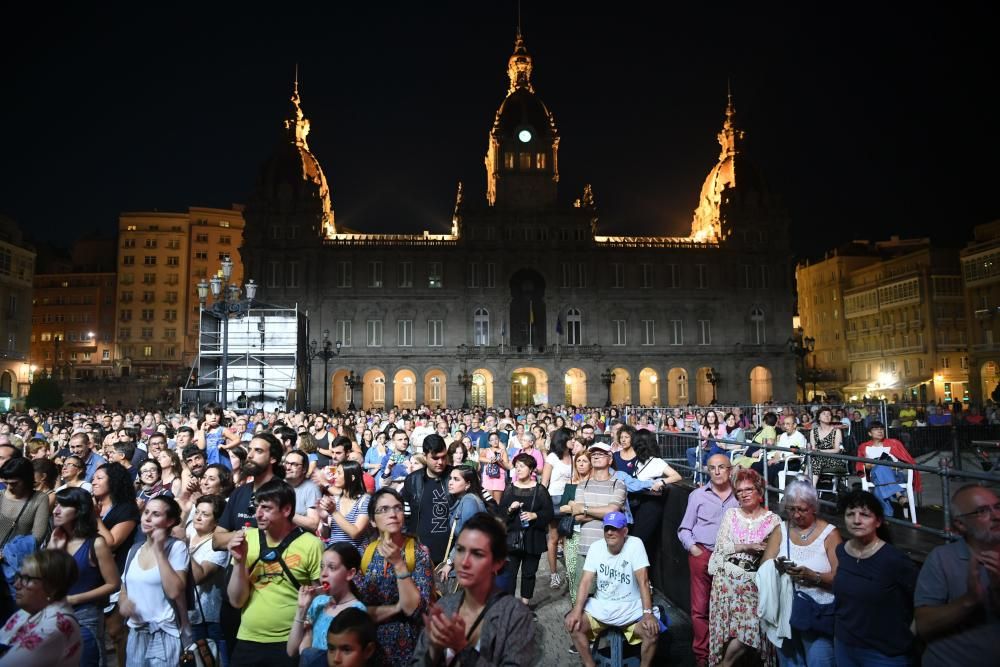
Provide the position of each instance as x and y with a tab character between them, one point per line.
531	312
503	329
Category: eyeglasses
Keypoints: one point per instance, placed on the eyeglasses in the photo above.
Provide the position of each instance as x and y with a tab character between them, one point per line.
24	579
750	490
982	511
389	509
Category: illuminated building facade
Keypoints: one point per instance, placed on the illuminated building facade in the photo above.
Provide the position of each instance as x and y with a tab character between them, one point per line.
524	299
161	258
17	268
981	278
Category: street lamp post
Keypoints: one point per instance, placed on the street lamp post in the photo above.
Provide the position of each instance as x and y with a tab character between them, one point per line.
802	346
226	303
608	378
713	378
326	353
353	381
465	381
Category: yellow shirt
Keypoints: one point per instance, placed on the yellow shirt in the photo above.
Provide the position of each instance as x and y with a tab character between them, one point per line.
269	611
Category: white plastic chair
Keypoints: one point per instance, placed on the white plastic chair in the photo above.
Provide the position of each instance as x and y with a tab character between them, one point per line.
866	485
785	472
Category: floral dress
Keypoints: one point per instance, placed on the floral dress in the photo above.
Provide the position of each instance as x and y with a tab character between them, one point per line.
398	636
50	637
733	604
822	464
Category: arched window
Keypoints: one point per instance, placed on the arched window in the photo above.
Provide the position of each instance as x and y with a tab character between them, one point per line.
481	327
757	329
574	327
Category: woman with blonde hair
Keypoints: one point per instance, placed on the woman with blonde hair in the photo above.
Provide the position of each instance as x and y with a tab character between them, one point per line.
581	473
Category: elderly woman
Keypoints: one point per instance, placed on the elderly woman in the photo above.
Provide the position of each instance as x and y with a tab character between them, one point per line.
805	547
734	625
43	631
873	590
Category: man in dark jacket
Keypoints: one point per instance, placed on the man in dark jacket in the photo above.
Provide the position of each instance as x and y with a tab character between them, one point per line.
425	493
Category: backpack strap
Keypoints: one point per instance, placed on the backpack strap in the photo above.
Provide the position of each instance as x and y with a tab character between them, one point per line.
278	551
409	554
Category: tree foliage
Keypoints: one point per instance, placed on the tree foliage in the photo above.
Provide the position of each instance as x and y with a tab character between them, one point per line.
44	394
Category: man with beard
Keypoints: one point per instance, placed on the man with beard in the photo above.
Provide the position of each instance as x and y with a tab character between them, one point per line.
263	464
957	600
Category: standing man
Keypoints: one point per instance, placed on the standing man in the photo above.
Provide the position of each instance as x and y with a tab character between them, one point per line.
957	600
263	464
270	564
697	533
307	494
79	445
425	494
393	469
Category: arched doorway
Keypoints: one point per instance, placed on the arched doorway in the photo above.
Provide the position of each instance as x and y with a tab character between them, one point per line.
703	391
649	387
340	394
989	375
528	387
7	383
482	388
527	310
576	387
760	385
435	388
621	388
677	386
404	389
373	390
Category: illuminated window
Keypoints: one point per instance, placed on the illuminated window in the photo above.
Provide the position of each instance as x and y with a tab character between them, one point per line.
539	160
508	160
434	274
524	161
147	351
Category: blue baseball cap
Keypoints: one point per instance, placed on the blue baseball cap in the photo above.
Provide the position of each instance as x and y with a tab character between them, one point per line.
615	519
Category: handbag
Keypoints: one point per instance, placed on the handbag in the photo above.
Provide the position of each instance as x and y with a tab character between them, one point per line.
493	470
807	614
567	522
450	584
515	538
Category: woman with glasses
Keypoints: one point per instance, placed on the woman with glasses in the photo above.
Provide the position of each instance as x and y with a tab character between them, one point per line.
733	623
396	579
74	531
44	630
343	514
73	474
149	482
805	549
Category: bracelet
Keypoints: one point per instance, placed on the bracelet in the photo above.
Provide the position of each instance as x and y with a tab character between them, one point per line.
647	611
404	576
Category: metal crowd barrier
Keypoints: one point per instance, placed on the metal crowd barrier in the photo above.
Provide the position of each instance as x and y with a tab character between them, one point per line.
674	446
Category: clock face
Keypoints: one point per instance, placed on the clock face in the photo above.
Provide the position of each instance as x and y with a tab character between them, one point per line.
524	136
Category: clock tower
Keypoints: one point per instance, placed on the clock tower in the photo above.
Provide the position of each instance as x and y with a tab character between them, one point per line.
522	158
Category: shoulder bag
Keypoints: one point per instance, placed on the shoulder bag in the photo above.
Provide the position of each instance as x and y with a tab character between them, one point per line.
515	538
807	614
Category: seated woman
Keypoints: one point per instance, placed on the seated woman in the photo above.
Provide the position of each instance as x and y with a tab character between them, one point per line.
479	625
44	630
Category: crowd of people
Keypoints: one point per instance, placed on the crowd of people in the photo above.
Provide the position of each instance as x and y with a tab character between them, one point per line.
415	537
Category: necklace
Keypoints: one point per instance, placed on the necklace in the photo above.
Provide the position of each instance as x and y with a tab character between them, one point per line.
867	551
805	536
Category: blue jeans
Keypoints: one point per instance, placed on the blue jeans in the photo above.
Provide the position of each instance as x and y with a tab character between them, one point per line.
91	621
886	481
806	649
212	631
856	656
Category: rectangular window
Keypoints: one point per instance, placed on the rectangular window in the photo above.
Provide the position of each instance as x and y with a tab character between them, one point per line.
945	362
672	281
128	260
274	273
745	271
148	297
705	332
344	332
147	314
524	161
125	316
434	274
147	351
473	275
128	243
106	355
375	274
648	332
374	329
146	333
292	277
702	274
618	271
491	275
435	333
149	279
201	255
149	260
676	332
508	160
173	261
619	332
201	238
170	315
764	281
567	275
405	333
406	274
581	275
225	240
647	276
344	276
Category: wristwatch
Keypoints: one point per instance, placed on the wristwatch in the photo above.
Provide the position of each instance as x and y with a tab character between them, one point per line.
586	508
449	562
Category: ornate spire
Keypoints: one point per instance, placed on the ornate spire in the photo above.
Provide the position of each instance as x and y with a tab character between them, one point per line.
298	121
519	66
730	135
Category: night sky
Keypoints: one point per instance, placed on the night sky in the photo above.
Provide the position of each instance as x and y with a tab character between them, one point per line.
865	123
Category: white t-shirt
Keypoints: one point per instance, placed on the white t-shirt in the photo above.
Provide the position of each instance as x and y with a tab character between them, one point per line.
209	591
617	600
794	440
145	590
561	474
651	469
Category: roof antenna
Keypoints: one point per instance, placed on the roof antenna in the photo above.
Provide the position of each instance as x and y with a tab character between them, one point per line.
296	78
518	18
